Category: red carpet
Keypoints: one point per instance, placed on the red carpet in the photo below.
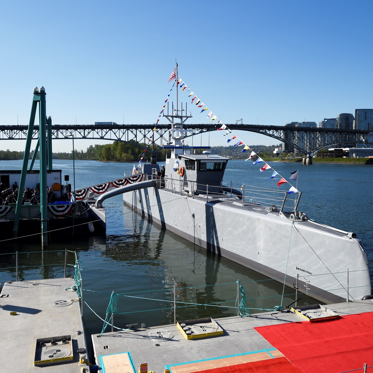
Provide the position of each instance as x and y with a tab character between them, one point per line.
328	346
278	365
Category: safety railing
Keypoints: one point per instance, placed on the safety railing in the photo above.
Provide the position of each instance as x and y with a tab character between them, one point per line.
275	200
15	258
177	298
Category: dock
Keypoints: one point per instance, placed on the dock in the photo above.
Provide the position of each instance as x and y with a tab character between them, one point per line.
277	341
41	315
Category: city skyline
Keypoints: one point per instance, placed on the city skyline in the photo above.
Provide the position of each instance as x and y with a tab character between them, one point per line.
268	63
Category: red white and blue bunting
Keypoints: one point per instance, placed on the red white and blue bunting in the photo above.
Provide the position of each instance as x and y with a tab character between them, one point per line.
102	188
4	210
60	210
81	193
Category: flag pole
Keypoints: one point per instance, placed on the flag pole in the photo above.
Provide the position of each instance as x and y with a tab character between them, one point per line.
177	91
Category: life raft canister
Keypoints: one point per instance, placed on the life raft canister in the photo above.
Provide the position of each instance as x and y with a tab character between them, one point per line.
175	167
182	170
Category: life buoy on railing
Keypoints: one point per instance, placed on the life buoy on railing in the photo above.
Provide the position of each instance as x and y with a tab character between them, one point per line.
181	172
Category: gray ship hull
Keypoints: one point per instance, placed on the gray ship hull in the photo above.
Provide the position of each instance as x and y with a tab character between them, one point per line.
267	242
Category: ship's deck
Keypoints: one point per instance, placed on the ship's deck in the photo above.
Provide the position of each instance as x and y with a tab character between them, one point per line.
225	200
165	346
38	316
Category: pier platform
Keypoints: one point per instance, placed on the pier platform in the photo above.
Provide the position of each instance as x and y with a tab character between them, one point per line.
272	341
40	310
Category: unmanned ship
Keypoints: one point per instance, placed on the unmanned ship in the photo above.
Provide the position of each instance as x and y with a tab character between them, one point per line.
277	240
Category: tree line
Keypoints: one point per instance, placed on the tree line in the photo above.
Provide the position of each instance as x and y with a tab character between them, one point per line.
132	151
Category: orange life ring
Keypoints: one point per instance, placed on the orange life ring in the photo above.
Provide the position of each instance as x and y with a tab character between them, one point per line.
181	172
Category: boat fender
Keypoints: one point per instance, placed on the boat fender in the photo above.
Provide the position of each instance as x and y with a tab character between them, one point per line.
175	167
91	227
182	170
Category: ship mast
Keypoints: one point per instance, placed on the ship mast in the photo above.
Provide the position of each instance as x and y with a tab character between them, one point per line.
177	132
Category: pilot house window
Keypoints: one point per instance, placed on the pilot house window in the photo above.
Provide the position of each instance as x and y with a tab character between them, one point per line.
190	165
211	166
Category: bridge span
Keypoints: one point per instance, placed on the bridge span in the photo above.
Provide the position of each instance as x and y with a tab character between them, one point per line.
305	140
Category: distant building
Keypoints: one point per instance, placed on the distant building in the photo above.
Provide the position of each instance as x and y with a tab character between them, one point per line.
364	119
277	152
345	121
361	152
328	123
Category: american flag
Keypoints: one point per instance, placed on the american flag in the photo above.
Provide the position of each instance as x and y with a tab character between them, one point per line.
173	75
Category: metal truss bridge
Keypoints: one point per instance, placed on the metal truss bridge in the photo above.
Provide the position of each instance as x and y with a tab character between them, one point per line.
306	140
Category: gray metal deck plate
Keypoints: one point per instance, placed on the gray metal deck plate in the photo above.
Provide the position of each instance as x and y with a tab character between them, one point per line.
239	337
36	318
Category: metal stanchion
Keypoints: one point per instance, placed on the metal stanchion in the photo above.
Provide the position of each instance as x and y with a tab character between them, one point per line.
112	318
64	270
16	265
81	296
175	303
348	285
296	289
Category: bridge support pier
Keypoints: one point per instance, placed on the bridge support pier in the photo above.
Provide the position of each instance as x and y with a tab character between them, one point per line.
307	160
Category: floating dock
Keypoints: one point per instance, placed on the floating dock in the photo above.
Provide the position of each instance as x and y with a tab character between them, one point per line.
276	341
41	327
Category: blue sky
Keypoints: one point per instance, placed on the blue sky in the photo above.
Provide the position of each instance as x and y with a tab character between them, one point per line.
268	62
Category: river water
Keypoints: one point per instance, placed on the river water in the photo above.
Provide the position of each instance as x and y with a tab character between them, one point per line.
143	263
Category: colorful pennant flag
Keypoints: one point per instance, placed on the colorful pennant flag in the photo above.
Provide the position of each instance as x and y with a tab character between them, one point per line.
251	156
244	149
223	127
178	82
265	167
213	118
198	101
293	190
228	132
229	140
209	114
282	181
181	85
204	109
259	160
273	175
191	94
194	98
294	175
238	144
184	88
172	76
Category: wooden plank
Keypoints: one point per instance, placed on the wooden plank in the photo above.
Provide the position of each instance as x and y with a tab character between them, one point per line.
118	363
